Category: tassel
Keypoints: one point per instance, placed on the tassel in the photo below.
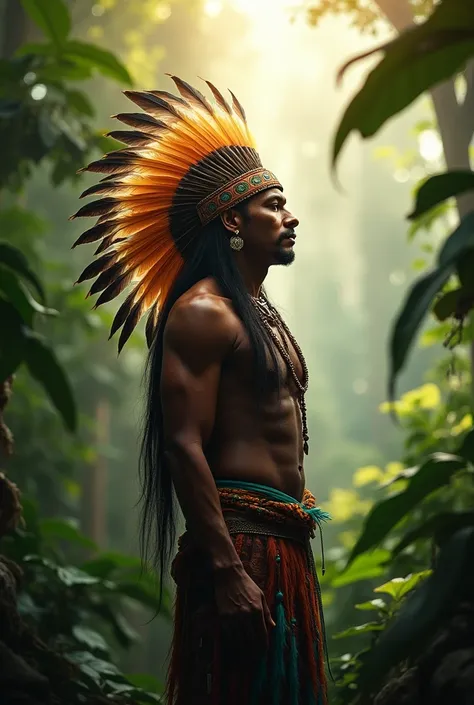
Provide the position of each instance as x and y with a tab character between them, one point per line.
279	643
259	681
294	679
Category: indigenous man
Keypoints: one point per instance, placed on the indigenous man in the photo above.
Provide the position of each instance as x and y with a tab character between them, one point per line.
190	219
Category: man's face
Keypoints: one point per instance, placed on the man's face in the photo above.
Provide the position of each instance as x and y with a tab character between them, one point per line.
268	229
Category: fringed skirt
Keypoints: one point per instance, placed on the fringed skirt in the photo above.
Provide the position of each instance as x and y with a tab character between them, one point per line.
273	544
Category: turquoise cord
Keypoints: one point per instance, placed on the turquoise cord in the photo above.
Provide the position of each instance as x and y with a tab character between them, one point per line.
316	512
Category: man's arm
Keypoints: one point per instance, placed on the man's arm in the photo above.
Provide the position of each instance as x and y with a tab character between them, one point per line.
198	336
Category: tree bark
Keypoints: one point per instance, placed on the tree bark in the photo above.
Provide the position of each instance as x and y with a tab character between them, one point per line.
14	23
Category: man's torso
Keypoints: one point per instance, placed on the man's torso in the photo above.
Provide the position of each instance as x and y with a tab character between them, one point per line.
254	440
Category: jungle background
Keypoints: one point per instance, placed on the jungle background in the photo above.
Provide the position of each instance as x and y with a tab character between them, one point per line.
380	304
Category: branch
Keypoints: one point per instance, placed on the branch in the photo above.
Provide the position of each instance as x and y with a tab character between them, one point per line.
468	104
398	12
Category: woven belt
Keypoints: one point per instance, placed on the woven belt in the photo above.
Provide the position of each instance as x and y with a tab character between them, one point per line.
240	523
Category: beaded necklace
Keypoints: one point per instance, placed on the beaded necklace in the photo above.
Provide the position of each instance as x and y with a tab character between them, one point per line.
269	315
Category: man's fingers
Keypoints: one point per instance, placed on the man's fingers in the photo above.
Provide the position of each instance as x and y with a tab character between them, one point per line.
268	616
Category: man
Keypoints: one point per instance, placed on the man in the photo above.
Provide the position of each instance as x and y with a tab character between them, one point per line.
191	219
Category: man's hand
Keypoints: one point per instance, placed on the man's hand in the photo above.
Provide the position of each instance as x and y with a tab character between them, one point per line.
243	612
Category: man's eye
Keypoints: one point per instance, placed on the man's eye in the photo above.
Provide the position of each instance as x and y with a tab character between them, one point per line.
275	206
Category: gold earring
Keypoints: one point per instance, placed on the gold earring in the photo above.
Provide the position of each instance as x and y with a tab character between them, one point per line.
236	242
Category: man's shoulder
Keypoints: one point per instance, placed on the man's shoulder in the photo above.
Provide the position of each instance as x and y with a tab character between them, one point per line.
201	317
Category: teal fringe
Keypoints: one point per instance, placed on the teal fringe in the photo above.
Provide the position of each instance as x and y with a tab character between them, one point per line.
258	682
294	678
279	644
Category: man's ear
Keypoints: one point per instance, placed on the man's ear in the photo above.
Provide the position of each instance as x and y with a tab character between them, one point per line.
231	219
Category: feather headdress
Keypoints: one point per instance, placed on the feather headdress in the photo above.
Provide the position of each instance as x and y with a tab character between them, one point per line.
185	162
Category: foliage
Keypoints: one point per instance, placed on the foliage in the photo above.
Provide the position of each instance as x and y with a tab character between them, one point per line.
414	62
365	15
418	533
73	597
79	609
421	501
42	119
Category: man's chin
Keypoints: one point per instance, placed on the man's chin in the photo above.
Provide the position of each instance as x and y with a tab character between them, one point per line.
285	256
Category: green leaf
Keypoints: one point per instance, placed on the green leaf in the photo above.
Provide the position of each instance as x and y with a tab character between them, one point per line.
139	592
71	575
13	291
440	187
85	658
104	565
447	305
364	567
79	101
438	527
367	628
123	632
420	616
37	48
61	529
414	62
90	638
52	17
44	366
98	58
146	682
467	448
376	604
399	587
20	297
16	260
13	342
385	515
420	298
429	220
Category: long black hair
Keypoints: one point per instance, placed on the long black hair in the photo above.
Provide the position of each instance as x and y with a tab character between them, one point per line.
209	256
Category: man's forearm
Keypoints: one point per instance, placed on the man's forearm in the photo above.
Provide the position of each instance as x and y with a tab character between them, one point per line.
199	500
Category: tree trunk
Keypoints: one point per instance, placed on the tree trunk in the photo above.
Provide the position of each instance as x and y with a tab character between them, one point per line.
14	24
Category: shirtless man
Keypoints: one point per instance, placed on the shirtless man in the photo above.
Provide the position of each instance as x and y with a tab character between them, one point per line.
225	426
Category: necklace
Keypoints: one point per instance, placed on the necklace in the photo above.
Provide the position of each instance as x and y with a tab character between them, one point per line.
269	315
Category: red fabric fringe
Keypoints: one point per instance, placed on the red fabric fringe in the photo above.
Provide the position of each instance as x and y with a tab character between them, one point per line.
200	673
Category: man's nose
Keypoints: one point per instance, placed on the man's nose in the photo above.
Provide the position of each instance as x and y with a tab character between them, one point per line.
291	221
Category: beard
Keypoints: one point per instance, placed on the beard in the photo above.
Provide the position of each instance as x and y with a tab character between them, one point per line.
285	256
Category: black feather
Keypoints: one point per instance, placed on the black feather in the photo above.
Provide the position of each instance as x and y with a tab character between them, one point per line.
170	97
95	233
99	188
105	279
150	326
113	163
140	120
115	288
96	208
133	138
96	267
192	94
220	98
107	242
149	101
238	107
122	314
130	324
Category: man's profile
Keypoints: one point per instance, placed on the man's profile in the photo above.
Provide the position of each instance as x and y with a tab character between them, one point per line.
190	222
